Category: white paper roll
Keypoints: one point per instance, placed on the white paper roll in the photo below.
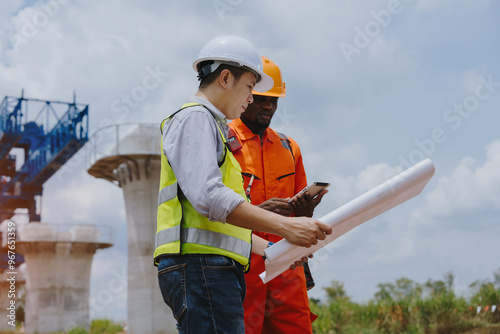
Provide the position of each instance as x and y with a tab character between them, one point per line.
380	199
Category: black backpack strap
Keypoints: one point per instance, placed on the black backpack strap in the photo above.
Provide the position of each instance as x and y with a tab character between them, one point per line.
285	142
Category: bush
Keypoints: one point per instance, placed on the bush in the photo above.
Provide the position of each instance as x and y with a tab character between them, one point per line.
105	326
78	330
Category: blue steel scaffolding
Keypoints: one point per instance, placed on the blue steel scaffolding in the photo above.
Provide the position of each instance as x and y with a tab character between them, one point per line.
48	140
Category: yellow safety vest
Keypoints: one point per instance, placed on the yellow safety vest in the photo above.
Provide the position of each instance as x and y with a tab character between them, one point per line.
182	230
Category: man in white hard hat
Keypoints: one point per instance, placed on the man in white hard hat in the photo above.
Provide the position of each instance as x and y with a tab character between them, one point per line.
204	239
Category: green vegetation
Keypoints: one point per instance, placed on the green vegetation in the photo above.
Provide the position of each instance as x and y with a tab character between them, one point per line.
409	307
104	326
78	330
98	326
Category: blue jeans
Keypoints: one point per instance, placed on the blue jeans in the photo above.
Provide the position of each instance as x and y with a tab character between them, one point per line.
205	293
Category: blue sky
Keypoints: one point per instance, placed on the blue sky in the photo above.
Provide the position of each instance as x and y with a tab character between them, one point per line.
424	81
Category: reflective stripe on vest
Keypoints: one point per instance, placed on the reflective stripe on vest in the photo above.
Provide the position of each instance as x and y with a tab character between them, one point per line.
167	193
167	236
182	230
203	237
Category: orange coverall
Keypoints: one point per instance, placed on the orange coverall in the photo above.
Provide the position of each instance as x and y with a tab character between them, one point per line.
281	305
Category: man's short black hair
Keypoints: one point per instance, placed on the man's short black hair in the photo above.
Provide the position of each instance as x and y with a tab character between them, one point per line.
206	80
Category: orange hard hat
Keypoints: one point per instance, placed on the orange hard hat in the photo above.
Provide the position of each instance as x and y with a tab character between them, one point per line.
271	69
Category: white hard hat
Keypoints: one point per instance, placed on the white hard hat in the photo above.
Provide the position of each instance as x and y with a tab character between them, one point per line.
236	51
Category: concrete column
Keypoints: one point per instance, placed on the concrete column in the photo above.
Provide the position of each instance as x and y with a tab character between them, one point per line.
134	165
147	312
58	276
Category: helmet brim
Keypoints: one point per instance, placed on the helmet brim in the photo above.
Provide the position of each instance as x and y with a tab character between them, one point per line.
268	94
265	83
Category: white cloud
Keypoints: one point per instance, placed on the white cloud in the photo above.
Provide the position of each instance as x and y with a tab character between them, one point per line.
467	188
405	248
346	188
352	153
77	198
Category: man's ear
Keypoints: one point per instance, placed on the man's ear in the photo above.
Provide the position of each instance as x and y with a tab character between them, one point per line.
225	78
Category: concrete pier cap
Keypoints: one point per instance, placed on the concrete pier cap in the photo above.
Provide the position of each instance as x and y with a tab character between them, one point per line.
117	144
58	259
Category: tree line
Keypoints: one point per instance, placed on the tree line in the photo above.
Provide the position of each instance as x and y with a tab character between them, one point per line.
406	306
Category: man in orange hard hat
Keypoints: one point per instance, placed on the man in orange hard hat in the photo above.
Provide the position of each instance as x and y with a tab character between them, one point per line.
273	172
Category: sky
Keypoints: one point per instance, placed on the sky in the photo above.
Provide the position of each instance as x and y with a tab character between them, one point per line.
373	87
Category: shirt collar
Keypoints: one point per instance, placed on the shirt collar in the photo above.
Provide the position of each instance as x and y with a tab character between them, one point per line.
247	134
216	112
219	116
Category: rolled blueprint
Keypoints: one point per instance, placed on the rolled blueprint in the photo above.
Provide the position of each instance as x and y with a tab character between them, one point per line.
380	199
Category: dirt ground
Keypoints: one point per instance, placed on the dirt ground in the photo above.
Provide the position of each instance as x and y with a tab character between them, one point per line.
489	330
